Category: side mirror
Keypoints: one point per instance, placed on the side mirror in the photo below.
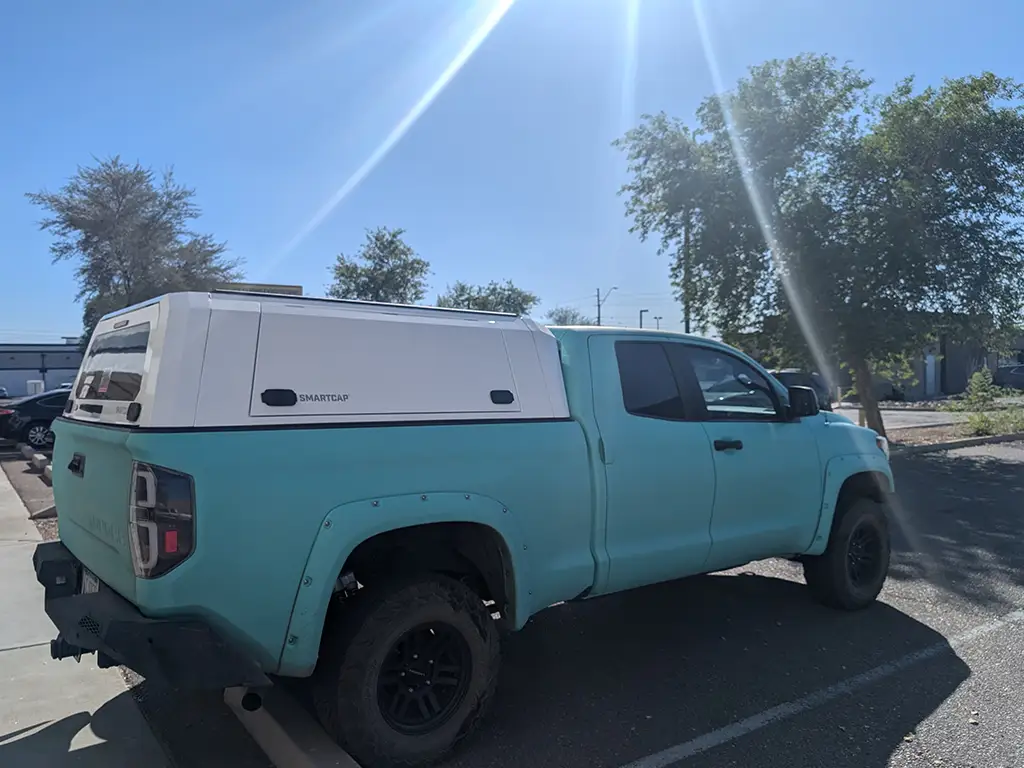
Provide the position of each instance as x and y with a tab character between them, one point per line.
803	401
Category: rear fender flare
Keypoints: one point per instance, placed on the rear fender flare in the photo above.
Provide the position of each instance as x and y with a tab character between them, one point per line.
838	470
348	525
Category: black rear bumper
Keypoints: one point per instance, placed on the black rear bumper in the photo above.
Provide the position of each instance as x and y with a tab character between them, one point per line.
178	653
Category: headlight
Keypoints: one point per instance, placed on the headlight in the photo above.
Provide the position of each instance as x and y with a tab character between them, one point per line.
883	445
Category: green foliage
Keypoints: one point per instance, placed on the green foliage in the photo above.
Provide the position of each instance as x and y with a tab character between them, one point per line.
493	297
568	316
130	234
981	394
829	219
384	269
980	425
1005	422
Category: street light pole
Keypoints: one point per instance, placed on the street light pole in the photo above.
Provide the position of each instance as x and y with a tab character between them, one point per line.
601	300
642	316
657	321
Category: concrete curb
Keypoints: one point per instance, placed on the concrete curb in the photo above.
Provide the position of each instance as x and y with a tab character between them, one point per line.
46	513
39	461
285	732
967	442
26	450
48	471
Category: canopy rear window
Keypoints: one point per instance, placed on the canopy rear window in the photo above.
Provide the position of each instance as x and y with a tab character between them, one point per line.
114	366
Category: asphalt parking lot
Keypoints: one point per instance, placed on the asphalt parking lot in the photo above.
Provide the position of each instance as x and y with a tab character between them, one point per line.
743	669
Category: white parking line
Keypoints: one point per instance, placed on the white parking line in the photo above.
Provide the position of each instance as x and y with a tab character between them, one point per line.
814	700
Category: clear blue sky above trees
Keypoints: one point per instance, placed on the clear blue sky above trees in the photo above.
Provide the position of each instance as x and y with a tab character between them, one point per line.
267	109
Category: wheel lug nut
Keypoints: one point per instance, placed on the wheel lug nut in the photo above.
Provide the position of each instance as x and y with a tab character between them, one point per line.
410	690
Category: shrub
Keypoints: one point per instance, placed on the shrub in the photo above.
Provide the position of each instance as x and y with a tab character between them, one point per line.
1004	422
980	425
981	393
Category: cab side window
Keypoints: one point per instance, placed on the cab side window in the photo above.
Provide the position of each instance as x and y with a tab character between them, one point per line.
732	389
649	388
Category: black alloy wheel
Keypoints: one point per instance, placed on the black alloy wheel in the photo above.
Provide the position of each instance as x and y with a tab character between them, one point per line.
424	678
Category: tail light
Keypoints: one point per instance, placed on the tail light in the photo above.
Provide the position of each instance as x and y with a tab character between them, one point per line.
162	519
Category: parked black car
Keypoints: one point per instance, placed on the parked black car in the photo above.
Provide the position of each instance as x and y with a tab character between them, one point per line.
794	377
29	419
1011	376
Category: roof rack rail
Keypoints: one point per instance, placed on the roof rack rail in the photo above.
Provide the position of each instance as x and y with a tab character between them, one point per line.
361	303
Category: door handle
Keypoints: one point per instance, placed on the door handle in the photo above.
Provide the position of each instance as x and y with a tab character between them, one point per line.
77	465
728	445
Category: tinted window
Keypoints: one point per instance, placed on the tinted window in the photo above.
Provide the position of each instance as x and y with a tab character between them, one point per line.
113	368
731	388
648	386
55	401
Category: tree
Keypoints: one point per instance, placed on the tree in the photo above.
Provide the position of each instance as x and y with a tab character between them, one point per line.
385	269
130	234
568	316
858	224
493	297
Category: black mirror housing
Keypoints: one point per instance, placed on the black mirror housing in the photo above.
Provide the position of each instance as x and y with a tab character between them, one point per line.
803	401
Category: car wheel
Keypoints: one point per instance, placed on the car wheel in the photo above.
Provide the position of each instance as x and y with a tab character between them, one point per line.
38	434
406	671
852	570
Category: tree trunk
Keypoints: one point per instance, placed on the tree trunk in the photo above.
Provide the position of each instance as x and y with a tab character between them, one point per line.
864	384
686	271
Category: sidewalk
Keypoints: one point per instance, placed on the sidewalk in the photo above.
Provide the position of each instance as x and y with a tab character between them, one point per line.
55	714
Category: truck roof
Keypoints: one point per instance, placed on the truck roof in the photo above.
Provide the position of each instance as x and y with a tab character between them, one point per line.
290	299
609	330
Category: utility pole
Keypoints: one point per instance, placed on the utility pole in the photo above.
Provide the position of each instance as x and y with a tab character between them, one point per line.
657	321
601	300
642	316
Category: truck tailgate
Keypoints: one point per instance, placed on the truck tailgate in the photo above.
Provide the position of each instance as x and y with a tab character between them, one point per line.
92	470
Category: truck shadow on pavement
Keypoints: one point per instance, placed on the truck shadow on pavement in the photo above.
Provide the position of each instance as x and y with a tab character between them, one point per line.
607	682
959	523
116	740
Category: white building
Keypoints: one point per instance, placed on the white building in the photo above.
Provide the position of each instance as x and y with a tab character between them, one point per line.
53	364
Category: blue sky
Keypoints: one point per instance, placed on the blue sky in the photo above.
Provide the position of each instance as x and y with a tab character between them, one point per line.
270	109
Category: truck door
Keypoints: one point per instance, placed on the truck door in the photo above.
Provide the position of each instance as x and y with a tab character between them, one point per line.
658	466
768	472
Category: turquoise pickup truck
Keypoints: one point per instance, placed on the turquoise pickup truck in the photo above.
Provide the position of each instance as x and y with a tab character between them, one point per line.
369	495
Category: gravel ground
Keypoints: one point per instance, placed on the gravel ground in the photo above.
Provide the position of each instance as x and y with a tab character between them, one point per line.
925	435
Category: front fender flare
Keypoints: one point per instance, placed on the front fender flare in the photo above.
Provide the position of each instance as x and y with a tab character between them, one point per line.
838	470
348	525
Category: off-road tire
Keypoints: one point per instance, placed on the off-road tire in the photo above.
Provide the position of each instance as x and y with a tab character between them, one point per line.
828	575
359	636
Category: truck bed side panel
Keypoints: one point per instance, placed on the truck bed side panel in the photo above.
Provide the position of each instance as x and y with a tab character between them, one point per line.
262	496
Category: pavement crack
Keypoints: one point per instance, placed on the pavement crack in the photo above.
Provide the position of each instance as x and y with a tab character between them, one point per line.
40	644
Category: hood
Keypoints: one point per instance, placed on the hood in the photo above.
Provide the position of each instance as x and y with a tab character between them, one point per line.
836	417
